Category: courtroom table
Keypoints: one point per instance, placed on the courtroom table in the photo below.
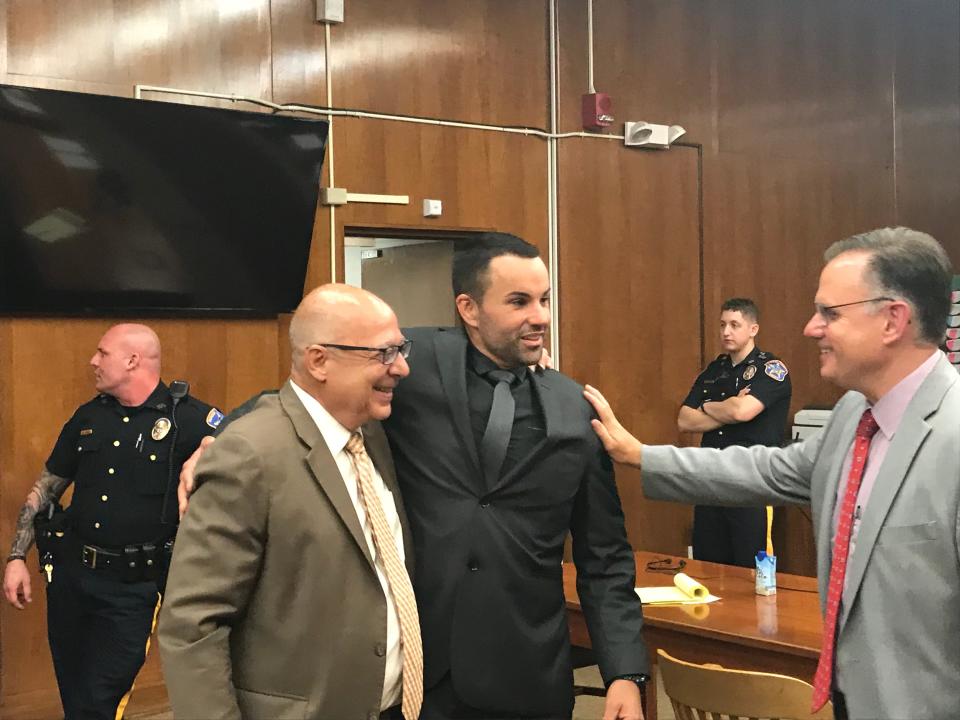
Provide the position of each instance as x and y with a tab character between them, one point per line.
780	633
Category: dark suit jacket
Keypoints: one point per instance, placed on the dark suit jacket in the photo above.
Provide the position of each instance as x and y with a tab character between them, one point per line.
273	607
489	581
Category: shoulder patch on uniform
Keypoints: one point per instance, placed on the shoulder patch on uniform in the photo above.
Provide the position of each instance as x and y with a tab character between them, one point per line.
749	372
214	418
776	369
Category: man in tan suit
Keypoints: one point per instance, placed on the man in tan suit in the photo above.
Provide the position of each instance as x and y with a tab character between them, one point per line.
288	594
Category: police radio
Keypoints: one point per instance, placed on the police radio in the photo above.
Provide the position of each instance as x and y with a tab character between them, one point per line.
178	391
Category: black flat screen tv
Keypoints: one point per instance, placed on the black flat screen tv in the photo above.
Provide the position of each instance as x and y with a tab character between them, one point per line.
117	206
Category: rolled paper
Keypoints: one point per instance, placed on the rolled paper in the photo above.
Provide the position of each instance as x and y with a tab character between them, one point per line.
690	587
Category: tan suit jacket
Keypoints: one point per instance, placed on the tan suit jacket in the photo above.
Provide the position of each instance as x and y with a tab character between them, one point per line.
273	606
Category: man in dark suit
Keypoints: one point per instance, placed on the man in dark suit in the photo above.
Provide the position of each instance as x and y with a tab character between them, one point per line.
497	463
489	522
288	594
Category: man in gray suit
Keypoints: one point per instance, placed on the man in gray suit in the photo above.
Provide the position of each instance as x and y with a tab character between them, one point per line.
882	479
288	594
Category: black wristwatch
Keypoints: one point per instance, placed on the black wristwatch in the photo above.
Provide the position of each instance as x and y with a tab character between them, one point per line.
640	680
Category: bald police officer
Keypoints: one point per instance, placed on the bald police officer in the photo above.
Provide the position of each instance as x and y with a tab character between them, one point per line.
104	558
741	398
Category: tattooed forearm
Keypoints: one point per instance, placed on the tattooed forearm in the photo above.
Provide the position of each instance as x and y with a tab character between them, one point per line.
47	489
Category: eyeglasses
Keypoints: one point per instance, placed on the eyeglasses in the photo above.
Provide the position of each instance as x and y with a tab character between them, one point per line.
828	313
666	565
387	355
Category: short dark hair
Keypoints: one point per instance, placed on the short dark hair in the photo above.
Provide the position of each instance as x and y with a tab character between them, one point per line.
745	306
471	260
908	265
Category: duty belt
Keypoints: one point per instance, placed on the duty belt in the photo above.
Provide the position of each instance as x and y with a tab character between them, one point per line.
133	562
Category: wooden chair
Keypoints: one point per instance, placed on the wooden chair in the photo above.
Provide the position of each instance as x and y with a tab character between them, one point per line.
712	692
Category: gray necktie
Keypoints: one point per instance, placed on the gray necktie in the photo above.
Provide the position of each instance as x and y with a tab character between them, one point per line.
496	438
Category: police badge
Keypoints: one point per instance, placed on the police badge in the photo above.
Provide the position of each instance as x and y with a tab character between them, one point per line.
160	428
749	372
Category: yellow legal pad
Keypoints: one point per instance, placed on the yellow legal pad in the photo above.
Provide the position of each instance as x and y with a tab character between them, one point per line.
685	591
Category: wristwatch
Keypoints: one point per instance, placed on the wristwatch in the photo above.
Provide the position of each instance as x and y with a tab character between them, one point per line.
640	680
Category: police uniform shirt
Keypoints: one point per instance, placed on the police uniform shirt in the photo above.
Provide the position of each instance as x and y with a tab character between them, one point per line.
769	382
118	458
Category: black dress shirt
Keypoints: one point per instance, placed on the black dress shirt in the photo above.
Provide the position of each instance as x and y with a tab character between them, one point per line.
529	428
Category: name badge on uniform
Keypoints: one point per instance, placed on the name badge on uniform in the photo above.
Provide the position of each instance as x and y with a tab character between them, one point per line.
160	428
749	372
86	431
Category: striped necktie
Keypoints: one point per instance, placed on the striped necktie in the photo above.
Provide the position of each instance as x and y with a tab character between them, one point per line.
397	579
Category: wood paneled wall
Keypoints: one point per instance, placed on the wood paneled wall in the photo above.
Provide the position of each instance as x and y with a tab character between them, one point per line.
816	120
630	312
813	120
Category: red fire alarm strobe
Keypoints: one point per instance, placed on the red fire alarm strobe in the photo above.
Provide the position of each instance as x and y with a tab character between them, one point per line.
597	111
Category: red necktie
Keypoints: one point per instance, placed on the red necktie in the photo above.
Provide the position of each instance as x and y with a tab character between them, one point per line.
841	546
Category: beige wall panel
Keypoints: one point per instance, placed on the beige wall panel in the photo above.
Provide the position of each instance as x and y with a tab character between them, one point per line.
415	281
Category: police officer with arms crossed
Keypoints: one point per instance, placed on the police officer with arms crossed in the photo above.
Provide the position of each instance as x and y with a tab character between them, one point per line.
742	398
105	558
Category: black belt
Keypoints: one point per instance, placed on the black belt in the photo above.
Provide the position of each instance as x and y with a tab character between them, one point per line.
123	559
95	558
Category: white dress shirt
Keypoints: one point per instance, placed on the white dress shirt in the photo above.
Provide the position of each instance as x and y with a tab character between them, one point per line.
336	437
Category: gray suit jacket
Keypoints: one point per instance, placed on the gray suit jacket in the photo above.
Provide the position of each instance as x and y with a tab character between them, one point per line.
898	647
273	606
